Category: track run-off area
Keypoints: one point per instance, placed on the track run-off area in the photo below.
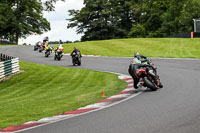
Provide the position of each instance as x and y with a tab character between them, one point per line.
172	109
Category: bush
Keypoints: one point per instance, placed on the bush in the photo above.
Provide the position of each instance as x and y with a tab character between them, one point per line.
137	30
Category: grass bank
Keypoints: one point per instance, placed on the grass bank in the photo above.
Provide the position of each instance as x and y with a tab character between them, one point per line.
151	47
43	91
3	45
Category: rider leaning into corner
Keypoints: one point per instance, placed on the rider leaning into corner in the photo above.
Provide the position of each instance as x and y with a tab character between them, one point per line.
45	41
59	49
138	62
47	47
76	51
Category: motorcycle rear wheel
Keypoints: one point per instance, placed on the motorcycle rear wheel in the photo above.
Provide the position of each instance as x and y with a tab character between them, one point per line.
149	84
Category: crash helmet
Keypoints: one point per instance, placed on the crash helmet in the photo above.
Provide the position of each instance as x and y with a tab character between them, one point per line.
75	48
136	54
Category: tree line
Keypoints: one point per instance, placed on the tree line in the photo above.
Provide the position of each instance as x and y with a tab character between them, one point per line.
101	19
20	18
108	19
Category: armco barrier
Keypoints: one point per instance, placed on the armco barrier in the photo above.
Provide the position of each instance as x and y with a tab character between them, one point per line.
8	65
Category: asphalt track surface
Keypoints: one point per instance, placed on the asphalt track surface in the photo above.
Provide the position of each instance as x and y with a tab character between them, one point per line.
172	109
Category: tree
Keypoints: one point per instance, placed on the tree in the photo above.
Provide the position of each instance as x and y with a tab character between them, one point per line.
164	18
102	19
21	18
137	30
106	19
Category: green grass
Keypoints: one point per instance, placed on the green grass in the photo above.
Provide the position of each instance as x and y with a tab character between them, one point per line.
151	47
1	45
43	91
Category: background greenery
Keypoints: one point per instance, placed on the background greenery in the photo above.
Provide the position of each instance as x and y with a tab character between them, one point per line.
108	19
102	19
43	91
150	47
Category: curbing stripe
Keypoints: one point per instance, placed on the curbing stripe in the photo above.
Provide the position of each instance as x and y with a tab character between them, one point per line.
80	111
19	127
129	89
129	81
96	105
127	92
119	96
111	100
130	86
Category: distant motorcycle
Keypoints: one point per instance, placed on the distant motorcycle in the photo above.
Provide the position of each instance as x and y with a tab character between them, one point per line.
149	77
36	47
58	55
76	58
48	51
41	48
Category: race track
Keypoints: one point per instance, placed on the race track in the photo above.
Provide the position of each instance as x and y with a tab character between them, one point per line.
172	109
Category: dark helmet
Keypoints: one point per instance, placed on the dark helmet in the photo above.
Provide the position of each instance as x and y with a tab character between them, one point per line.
46	38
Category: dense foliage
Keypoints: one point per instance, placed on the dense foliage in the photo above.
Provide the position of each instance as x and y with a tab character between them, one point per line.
20	18
106	19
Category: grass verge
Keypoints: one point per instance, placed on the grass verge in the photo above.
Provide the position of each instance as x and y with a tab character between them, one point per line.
2	45
151	47
43	91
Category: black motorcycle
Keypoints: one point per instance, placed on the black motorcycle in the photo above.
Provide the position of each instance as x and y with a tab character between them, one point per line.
58	55
41	48
76	59
36	47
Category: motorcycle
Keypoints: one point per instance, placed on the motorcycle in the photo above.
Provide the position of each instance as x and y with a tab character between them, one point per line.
149	77
48	51
58	55
41	48
36	47
76	59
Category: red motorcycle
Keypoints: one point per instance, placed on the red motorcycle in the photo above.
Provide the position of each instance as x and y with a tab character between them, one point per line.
150	78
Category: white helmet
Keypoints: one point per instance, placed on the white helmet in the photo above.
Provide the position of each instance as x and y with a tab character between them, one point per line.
136	54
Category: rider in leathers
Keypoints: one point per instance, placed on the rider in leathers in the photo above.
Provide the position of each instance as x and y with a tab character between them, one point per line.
76	51
138	62
134	65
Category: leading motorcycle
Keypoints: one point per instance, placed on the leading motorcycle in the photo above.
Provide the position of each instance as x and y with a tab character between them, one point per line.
149	77
76	58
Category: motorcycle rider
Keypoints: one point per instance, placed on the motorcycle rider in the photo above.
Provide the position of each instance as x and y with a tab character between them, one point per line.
37	45
61	42
134	65
142	58
48	48
59	49
138	62
76	51
46	39
137	55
